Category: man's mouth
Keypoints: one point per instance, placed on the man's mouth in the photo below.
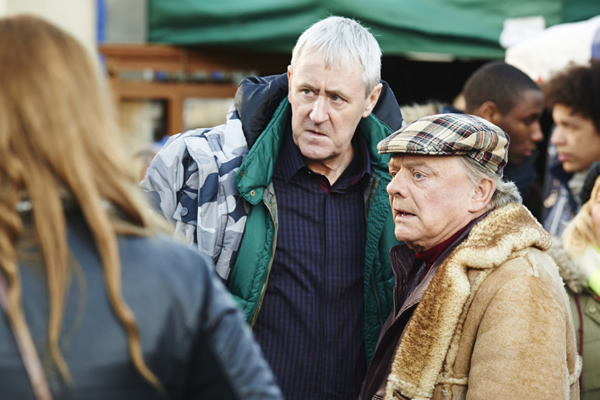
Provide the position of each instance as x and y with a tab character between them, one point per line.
563	157
529	152
315	132
402	213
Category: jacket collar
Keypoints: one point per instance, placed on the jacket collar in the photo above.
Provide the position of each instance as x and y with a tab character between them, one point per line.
256	171
257	100
570	266
419	358
409	285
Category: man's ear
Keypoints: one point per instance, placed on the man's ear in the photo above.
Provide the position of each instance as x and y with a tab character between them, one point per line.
489	111
371	99
482	195
289	74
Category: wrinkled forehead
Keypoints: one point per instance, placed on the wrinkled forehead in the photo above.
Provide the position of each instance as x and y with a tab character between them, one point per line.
416	160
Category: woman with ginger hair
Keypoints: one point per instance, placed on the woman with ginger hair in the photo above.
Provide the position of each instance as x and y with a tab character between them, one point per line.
577	254
99	304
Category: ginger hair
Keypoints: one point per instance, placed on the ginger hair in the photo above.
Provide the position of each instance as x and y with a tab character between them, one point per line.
579	233
57	134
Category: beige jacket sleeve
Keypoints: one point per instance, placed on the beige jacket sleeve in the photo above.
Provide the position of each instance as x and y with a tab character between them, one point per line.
520	351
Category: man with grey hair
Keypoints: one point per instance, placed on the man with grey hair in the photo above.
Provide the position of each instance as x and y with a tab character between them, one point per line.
480	310
289	199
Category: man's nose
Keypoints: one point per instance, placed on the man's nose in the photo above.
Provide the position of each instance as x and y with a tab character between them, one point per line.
396	187
558	136
536	134
319	113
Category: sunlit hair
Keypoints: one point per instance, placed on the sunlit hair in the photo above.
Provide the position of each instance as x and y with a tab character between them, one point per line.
57	136
579	233
498	82
577	87
342	42
506	192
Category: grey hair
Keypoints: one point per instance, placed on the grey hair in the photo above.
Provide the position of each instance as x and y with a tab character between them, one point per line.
342	41
506	191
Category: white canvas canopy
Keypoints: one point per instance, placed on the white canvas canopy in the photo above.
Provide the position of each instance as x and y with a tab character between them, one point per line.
550	51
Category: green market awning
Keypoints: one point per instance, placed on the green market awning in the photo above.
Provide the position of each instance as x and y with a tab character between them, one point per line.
459	28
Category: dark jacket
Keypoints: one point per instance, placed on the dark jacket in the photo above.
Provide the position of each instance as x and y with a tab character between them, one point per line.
525	177
261	116
561	202
192	335
266	114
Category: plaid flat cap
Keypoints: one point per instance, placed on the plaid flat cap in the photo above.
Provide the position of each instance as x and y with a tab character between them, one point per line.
452	135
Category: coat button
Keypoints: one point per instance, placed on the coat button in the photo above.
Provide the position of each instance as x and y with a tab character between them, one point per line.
252	193
592	308
184	211
242	173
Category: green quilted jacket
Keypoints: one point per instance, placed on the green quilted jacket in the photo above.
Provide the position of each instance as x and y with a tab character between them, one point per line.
250	274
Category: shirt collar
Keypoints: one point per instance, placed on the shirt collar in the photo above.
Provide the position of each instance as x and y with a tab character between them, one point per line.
364	159
290	157
431	255
292	161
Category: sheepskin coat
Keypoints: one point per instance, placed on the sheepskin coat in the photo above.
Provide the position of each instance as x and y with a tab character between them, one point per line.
493	321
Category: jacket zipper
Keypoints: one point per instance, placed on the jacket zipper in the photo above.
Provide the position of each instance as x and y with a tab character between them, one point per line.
264	288
394	300
372	192
376	299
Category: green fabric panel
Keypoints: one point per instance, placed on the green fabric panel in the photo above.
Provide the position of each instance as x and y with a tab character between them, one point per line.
256	170
580	10
252	264
466	28
260	24
377	131
379	278
249	274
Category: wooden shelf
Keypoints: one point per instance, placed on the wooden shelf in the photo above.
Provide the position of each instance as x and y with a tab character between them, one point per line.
122	58
137	90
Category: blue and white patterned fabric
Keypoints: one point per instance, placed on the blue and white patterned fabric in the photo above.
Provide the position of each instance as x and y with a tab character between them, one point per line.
194	178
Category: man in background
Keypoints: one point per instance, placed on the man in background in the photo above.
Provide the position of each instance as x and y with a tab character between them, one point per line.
574	96
511	100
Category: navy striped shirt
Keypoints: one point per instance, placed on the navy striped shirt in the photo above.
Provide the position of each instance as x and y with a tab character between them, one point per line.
310	324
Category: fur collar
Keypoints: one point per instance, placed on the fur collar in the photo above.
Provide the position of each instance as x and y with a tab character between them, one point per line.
570	266
428	338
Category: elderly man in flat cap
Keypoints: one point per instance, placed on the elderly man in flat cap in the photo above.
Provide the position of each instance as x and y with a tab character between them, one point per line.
480	310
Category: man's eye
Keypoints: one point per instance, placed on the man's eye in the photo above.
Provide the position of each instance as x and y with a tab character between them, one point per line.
419	175
393	174
530	121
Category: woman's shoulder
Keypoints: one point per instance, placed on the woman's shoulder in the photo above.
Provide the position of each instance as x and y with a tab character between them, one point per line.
163	261
159	249
153	261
